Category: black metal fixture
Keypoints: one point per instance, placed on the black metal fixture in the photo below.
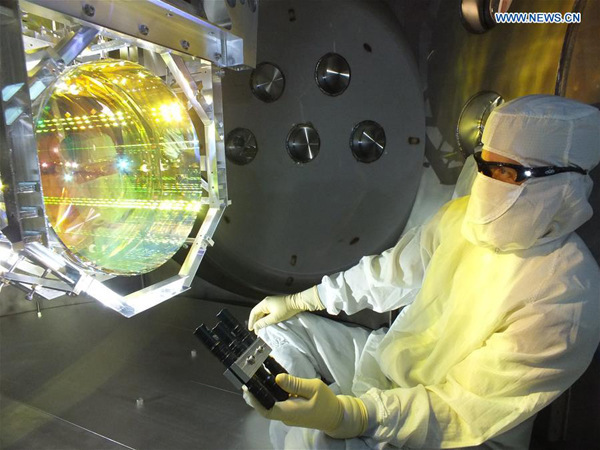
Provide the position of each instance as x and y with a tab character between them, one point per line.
240	146
303	143
267	82
332	74
367	141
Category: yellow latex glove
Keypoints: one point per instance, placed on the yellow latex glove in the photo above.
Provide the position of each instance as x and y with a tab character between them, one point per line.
277	308
315	406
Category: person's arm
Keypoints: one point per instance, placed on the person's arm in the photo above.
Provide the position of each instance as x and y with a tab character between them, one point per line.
540	351
382	283
387	281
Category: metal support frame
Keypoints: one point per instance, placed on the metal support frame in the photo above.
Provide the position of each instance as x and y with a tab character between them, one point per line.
151	23
39	267
54	60
19	165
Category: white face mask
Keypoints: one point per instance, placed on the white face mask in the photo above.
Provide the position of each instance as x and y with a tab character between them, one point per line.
510	217
490	198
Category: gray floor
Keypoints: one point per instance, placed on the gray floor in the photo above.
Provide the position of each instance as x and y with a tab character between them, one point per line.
71	379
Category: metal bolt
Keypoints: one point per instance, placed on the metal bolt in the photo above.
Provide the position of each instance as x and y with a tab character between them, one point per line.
60	65
250	360
259	349
139	402
194	353
89	10
144	29
185	44
218	56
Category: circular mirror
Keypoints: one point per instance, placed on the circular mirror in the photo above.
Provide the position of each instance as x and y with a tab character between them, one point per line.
120	165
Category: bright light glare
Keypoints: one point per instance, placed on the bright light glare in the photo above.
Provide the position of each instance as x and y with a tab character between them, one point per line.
171	112
123	164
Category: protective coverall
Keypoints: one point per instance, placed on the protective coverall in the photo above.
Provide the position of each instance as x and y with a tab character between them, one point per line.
503	301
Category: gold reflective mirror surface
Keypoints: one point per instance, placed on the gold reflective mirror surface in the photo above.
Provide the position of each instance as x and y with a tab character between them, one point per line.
120	166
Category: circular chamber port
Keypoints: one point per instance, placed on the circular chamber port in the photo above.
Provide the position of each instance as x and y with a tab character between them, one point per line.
478	16
267	82
240	146
367	141
332	74
473	117
303	143
120	166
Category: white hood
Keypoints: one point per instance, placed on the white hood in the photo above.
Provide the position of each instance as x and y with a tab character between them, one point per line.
537	130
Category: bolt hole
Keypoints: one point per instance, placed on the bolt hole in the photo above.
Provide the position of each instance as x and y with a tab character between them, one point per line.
367	47
426	164
414	140
292	15
289	281
354	240
293	260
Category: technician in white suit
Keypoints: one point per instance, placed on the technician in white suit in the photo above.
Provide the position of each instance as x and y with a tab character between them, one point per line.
504	304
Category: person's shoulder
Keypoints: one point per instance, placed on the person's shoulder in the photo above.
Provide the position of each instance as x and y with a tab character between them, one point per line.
569	261
575	250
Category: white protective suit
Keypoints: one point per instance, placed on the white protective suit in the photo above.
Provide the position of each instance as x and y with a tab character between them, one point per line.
504	302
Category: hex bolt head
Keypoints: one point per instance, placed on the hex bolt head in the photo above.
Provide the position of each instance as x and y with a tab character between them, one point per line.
250	360
143	29
185	44
89	10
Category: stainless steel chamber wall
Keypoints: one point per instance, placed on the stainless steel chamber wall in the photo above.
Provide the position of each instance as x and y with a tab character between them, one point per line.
332	127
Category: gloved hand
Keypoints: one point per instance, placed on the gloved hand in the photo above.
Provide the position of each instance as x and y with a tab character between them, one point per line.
316	406
277	308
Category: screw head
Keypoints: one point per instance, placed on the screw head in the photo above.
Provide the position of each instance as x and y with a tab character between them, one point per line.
185	44
89	10
143	29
